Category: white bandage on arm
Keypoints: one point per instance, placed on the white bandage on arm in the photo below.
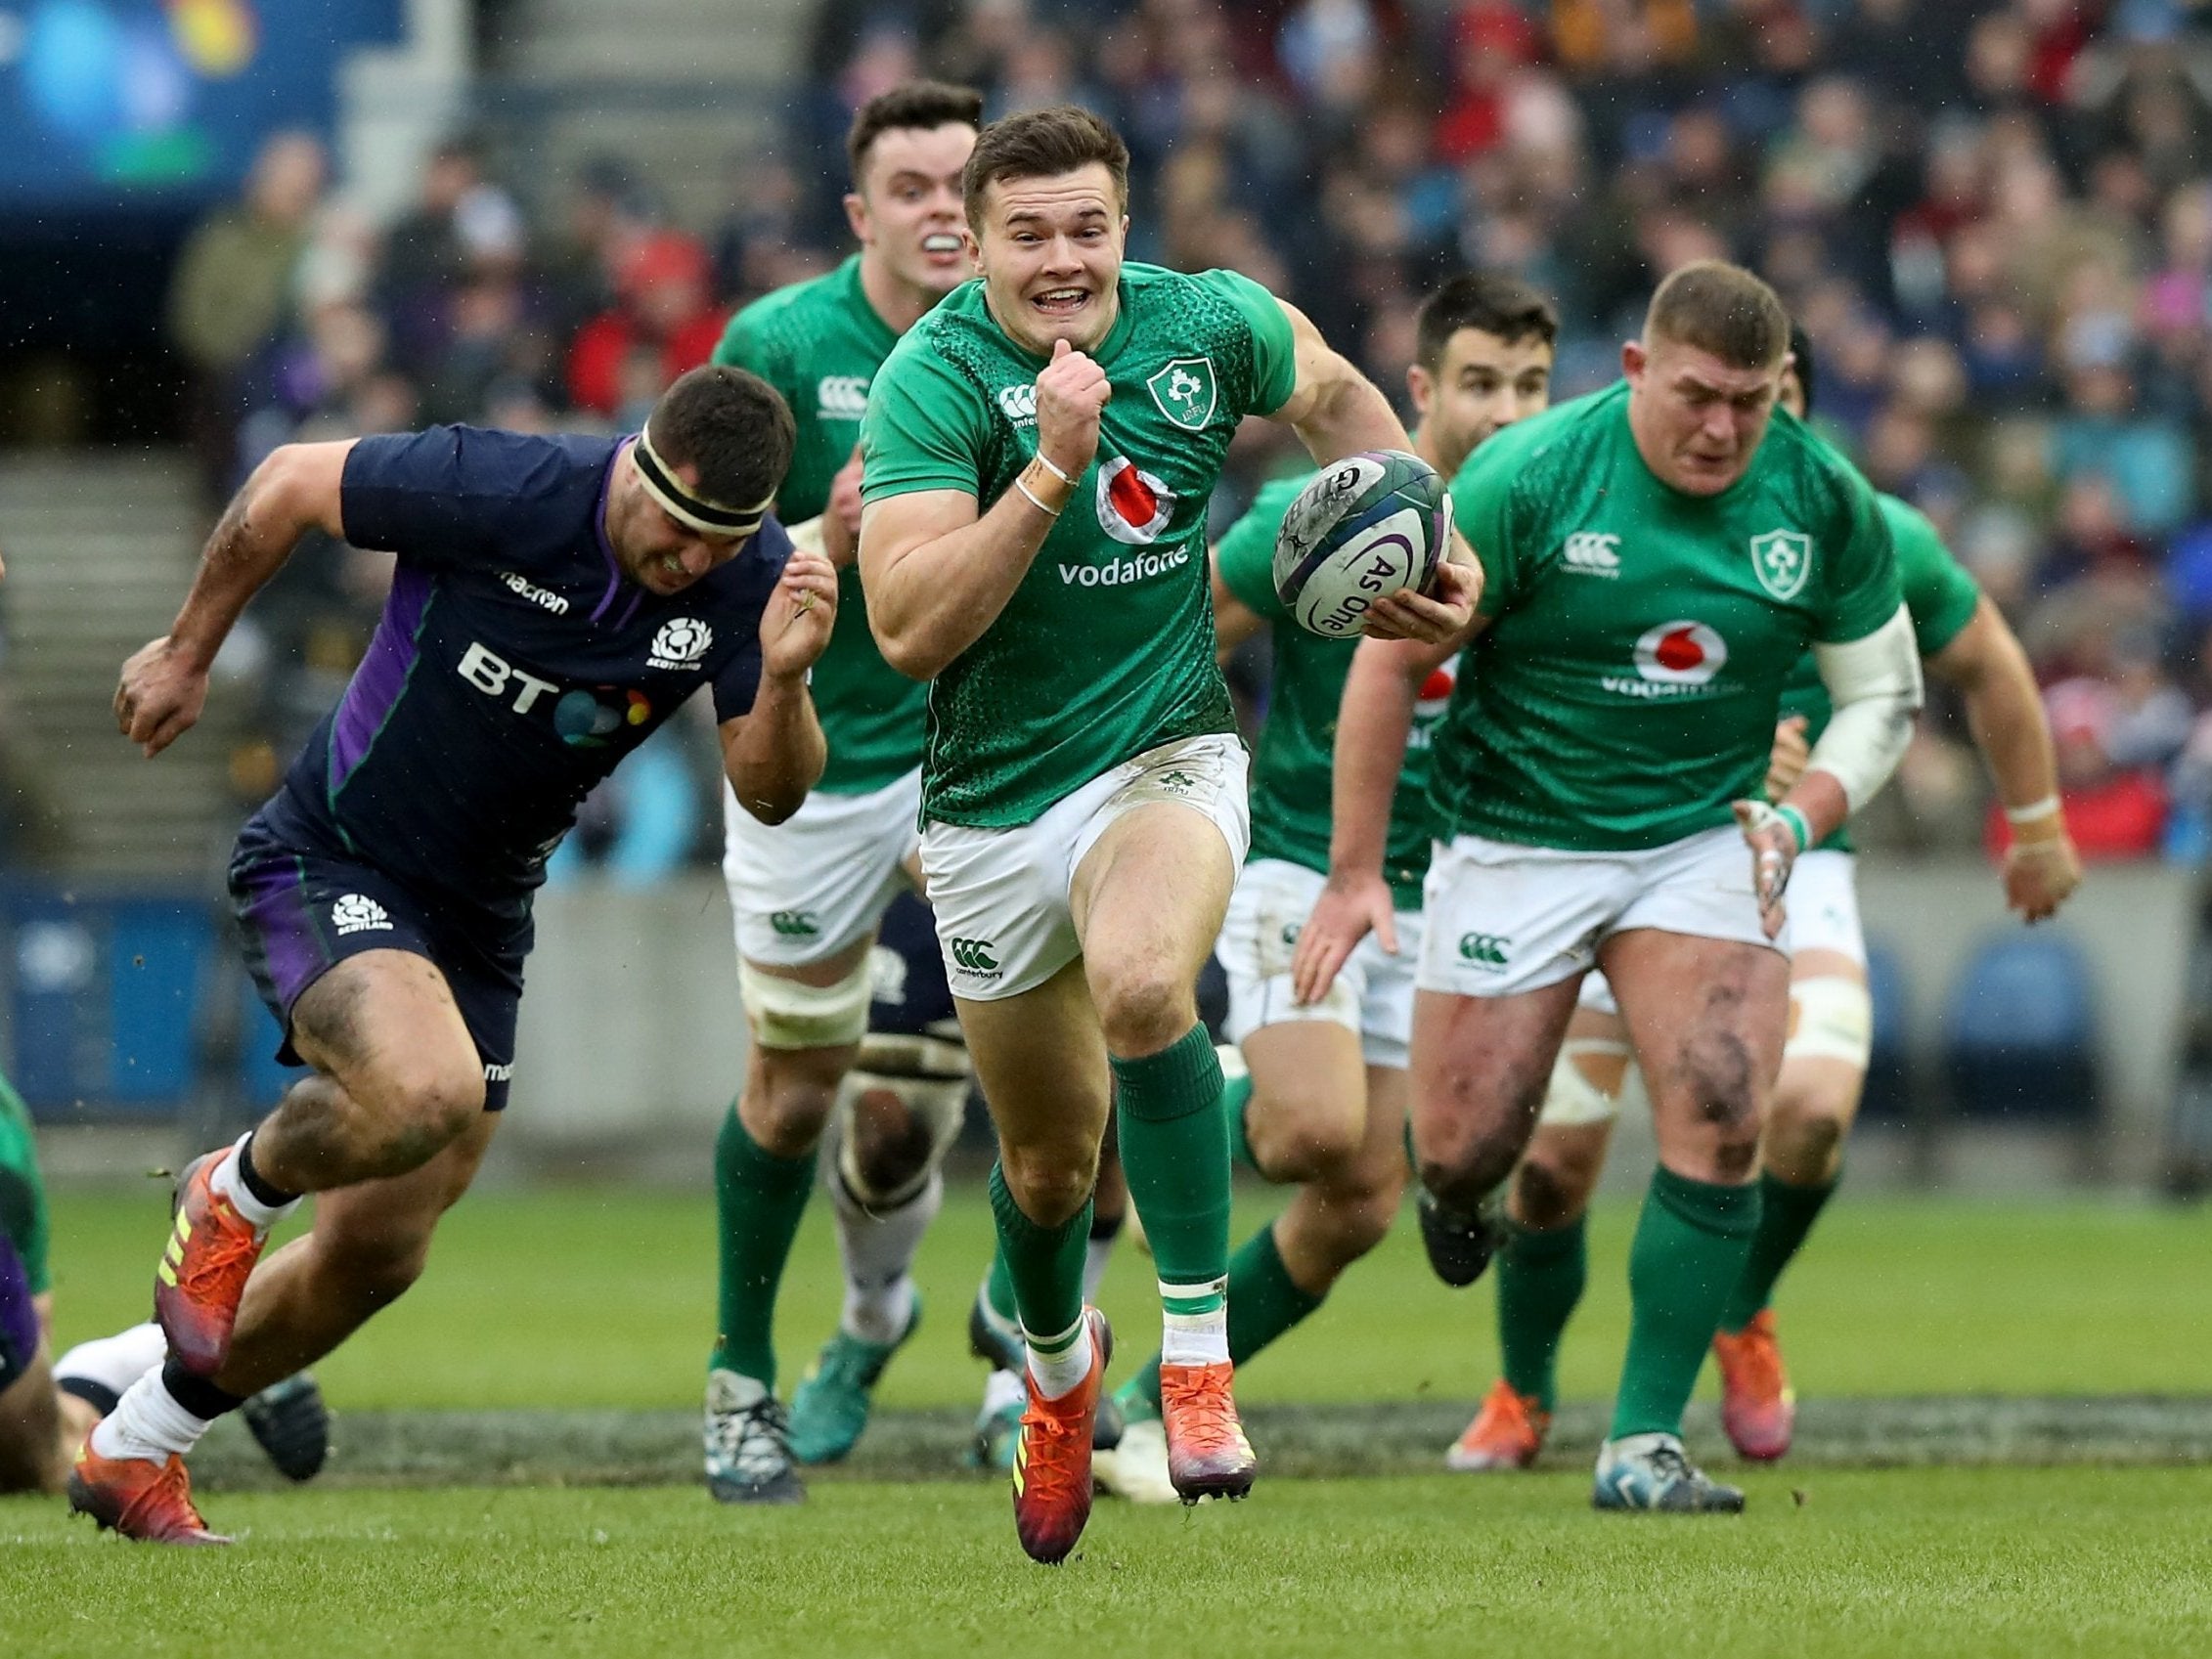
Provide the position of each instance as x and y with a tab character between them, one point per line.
1876	686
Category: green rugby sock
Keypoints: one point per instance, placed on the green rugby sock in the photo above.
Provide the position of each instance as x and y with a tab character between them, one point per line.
760	1199
1787	1213
1540	1278
1264	1302
998	1289
1687	1257
1176	1153
1236	1096
1044	1264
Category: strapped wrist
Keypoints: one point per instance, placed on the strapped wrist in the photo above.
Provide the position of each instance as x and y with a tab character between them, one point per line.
1799	829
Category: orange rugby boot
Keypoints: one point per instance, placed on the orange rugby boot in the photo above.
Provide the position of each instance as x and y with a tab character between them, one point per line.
202	1273
1757	1406
1507	1433
1052	1484
1208	1454
139	1499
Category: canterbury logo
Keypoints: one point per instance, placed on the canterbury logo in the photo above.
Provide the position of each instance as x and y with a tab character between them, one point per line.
794	924
842	396
1593	552
1484	950
973	956
1018	403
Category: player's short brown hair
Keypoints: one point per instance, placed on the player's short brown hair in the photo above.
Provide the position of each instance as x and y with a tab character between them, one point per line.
920	105
1724	309
1497	304
1042	143
731	425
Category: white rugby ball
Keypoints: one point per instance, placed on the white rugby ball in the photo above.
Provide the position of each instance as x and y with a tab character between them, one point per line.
1368	525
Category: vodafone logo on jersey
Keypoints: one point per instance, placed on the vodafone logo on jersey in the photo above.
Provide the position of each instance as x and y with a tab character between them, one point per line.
1133	505
1680	653
1429	703
1676	659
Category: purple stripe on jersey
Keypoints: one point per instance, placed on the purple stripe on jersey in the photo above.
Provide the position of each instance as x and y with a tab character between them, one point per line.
18	1315
293	952
598	532
381	675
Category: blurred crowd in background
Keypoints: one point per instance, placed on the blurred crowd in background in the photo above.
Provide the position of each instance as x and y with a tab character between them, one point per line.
1995	221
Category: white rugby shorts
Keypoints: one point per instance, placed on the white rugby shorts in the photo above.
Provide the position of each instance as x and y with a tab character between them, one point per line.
1372	995
1503	919
804	890
1000	896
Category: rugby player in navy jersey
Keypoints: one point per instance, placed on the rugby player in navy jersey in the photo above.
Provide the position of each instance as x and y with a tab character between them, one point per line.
555	600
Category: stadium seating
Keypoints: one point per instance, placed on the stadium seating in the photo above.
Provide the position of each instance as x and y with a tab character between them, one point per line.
1888	1096
2020	1028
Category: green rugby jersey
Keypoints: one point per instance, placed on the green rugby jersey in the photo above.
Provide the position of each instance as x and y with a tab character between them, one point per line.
1293	766
820	343
1625	689
1106	649
23	1196
1939	596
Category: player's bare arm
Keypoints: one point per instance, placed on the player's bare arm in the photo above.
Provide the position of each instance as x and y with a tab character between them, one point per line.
936	573
1986	665
164	684
1234	621
1876	686
1786	761
774	753
1337	410
1372	727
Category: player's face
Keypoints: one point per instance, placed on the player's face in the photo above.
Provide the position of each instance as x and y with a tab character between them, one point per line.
1698	421
905	212
654	550
1481	384
1049	253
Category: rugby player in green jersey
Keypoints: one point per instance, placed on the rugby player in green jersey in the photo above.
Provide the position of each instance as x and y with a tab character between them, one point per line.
1038	451
1659	557
1964	639
810	894
1324	1104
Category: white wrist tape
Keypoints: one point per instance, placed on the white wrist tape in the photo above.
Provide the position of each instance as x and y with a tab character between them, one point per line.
1876	684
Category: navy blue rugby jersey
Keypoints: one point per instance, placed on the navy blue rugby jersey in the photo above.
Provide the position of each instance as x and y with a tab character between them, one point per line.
515	665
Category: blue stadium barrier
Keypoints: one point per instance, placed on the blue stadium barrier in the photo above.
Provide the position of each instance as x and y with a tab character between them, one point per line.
103	995
2021	1031
1888	1096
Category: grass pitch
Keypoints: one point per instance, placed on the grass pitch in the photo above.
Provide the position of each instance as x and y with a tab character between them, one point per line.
549	1318
1958	1563
605	1297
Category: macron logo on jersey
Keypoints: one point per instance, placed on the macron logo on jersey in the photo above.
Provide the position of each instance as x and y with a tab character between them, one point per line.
1018	403
1593	552
841	397
545	598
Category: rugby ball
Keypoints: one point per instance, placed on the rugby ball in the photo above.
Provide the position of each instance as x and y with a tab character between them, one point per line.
1368	525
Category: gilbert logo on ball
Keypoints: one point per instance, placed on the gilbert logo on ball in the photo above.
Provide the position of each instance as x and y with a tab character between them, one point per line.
1368	526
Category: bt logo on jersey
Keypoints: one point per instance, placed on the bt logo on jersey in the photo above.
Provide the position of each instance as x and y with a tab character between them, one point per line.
491	674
